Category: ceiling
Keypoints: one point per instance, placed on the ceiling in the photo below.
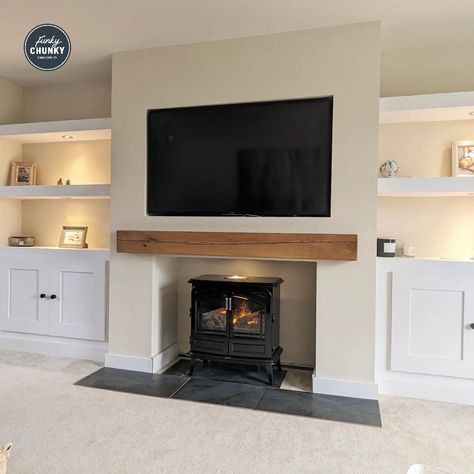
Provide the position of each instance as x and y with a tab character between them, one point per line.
99	28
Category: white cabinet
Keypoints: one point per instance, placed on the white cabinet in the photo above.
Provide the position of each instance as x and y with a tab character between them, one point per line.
432	315
55	296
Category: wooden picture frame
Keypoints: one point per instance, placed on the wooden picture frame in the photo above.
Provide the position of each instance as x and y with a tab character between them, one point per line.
22	173
463	158
73	237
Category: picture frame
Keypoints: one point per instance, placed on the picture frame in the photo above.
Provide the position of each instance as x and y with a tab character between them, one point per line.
22	173
73	237
463	158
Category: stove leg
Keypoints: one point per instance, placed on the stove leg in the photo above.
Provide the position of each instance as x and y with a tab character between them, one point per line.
192	365
278	364
269	369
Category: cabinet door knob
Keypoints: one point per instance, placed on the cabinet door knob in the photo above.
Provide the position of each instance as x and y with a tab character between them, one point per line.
53	297
471	325
42	296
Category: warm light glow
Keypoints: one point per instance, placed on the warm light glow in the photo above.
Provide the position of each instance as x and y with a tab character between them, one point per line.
68	137
243	318
236	277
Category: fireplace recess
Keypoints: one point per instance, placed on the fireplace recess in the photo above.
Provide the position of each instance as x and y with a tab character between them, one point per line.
236	319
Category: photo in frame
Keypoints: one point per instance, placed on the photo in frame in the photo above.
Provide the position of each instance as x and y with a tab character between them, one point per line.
22	173
73	237
463	158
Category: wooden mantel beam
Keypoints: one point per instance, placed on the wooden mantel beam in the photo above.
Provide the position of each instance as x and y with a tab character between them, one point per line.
239	244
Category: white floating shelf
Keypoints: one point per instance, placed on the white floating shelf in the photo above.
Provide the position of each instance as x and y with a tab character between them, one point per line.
47	132
425	187
427	108
73	191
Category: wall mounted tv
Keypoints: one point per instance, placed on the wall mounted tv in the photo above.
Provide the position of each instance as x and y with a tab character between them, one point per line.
251	159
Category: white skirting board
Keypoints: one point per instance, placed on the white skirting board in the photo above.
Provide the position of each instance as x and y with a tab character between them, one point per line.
143	364
441	389
345	388
54	346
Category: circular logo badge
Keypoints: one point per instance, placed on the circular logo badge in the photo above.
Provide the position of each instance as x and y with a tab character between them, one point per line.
47	47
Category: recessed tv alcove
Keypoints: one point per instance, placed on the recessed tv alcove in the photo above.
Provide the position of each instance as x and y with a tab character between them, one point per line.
250	159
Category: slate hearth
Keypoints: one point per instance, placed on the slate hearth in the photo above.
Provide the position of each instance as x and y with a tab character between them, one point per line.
236	394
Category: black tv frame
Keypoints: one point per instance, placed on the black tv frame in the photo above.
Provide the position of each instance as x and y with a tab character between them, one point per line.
329	99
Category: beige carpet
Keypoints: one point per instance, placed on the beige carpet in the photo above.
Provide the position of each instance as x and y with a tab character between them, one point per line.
59	428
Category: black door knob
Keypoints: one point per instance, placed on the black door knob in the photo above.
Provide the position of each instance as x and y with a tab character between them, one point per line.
42	296
53	297
472	325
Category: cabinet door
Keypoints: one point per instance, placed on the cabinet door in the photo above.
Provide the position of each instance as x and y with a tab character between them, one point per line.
22	281
431	324
78	296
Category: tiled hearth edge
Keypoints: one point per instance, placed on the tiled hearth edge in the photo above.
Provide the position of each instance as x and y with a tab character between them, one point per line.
322	386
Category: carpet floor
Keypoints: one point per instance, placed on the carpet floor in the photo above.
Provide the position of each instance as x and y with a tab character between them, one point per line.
57	427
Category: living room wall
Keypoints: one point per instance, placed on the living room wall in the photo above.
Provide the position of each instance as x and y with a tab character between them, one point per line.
427	70
10	108
342	61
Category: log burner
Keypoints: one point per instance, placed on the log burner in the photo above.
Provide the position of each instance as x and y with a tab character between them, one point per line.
236	319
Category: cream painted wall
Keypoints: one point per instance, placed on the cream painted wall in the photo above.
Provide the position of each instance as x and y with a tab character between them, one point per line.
343	62
11	97
9	151
66	102
84	162
436	227
164	323
10	209
422	148
297	304
442	68
10	108
44	219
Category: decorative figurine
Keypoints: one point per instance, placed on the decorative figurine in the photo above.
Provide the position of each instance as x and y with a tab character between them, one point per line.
389	169
60	182
68	181
408	250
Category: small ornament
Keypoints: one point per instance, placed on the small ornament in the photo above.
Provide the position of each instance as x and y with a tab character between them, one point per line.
60	182
389	169
408	250
68	181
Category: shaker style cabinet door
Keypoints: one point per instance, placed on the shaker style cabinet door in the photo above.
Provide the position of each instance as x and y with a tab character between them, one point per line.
78	299
24	295
432	316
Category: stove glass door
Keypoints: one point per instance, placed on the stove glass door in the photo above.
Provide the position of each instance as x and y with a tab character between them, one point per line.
248	314
211	314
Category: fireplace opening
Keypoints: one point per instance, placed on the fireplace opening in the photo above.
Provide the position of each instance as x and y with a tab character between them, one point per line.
236	320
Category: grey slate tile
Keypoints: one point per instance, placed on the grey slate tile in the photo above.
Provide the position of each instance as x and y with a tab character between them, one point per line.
220	393
134	382
327	407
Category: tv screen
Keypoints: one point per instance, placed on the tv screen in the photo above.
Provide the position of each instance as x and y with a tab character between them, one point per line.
251	159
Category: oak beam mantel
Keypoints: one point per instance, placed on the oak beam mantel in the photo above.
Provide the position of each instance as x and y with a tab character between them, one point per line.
239	244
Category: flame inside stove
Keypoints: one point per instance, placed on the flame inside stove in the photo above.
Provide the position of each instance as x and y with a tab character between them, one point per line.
243	317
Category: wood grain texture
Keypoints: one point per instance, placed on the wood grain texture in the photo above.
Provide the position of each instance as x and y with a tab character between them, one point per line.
240	244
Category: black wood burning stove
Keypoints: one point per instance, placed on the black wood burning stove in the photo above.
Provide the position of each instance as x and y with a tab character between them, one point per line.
236	319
